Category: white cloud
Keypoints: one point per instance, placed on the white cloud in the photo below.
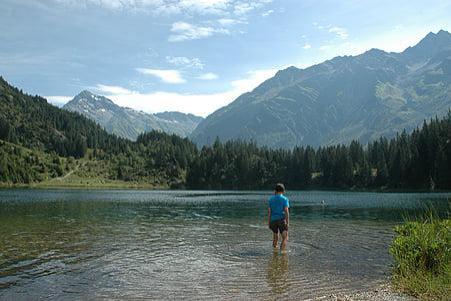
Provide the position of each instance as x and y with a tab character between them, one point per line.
199	104
167	76
307	46
183	31
185	62
325	47
112	89
267	13
200	7
208	76
229	22
253	79
205	6
244	7
58	100
339	31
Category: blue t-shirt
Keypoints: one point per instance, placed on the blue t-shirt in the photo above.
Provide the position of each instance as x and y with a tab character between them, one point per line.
277	203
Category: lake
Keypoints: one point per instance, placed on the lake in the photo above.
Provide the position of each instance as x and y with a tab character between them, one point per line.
135	244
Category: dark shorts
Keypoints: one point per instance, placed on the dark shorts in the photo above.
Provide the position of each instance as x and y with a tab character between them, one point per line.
278	226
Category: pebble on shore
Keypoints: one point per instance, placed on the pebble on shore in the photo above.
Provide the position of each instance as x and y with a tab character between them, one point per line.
384	292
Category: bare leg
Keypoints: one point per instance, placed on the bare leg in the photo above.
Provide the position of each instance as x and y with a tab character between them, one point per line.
275	239
283	245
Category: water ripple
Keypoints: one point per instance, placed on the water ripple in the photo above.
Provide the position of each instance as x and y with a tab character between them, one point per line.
193	245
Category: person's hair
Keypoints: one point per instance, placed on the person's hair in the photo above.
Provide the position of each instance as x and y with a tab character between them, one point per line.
279	187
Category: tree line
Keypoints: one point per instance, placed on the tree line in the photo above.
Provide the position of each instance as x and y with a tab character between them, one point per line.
420	160
29	121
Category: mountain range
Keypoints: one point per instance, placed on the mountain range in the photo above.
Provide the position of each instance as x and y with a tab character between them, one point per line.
348	97
129	123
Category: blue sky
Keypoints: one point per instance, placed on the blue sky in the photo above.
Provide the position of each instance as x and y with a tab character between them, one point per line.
192	55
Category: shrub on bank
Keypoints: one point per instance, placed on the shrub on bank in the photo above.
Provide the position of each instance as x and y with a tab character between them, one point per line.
422	253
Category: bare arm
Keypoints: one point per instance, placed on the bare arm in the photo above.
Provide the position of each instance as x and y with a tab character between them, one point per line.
269	216
287	215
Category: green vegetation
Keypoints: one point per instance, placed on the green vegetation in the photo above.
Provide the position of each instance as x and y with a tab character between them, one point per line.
21	165
31	122
45	146
346	98
422	253
153	163
421	160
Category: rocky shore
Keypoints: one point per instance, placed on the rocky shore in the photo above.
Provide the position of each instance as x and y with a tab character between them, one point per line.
383	292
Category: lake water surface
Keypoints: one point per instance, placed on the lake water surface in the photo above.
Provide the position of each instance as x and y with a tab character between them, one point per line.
128	244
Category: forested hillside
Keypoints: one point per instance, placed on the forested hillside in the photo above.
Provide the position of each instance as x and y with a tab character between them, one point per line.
40	143
421	160
41	137
31	122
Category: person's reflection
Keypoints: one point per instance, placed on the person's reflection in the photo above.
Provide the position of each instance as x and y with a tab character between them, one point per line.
277	273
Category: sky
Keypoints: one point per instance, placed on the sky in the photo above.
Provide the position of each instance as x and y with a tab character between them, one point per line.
192	56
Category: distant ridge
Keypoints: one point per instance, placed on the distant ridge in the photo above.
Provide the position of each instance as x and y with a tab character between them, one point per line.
129	123
350	97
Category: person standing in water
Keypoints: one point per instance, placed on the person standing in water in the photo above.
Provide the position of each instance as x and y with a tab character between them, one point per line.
279	216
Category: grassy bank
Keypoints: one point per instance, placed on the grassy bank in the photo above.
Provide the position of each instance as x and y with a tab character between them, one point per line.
83	184
422	253
21	167
75	182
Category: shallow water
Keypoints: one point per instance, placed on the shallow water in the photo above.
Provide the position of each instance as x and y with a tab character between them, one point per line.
76	244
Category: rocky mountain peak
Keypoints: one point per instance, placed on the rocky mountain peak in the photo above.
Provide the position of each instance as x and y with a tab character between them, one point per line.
127	122
358	97
429	46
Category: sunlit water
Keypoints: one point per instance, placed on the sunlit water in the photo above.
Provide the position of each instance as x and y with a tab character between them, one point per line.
75	244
